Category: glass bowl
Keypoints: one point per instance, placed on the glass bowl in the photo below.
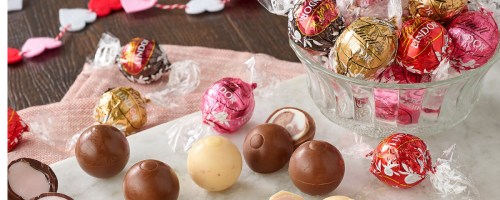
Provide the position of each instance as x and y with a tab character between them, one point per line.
378	109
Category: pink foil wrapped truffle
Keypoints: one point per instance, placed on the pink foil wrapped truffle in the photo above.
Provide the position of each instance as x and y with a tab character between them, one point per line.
228	104
397	74
475	37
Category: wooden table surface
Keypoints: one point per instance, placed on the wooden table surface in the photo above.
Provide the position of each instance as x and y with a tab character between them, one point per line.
243	26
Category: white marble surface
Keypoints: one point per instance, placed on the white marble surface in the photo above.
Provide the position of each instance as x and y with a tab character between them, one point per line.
477	139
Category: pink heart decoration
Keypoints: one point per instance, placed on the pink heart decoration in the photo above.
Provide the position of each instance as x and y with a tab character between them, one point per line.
131	6
35	46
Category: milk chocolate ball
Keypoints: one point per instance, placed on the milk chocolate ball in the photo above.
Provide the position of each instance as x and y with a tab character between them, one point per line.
267	148
316	167
152	180
102	151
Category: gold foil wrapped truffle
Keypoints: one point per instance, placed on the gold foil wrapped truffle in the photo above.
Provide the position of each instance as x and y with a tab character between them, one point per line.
123	108
365	48
439	10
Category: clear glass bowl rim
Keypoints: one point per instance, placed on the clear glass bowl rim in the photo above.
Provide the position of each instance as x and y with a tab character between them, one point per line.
301	53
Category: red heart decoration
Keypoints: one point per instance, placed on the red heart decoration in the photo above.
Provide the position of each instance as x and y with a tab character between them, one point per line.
104	7
13	56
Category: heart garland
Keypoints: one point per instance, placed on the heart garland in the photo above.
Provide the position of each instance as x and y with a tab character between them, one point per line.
76	19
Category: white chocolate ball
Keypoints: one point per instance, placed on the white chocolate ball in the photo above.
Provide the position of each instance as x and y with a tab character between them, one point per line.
214	163
338	198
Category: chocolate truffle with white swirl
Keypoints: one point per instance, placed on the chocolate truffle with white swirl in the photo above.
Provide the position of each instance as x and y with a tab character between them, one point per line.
299	124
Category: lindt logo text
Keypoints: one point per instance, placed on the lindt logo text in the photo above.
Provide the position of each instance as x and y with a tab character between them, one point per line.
140	50
306	12
423	32
473	26
226	93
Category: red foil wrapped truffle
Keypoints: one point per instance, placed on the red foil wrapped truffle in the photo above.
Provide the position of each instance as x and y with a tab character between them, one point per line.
423	45
397	74
475	38
401	161
16	128
228	104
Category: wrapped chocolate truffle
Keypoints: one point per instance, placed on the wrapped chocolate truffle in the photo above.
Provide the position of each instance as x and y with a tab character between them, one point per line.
28	178
228	104
403	161
315	24
397	74
300	124
267	148
365	48
316	167
102	151
16	128
439	10
475	38
214	163
123	108
152	180
423	45
143	61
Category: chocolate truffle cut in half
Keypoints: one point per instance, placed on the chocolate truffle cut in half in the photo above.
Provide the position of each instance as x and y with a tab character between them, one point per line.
28	178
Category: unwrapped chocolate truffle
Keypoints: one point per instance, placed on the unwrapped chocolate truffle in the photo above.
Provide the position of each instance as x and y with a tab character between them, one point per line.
316	167
102	151
152	180
53	196
267	148
439	10
365	48
475	38
123	108
28	178
285	195
214	163
423	45
228	104
143	61
297	122
315	24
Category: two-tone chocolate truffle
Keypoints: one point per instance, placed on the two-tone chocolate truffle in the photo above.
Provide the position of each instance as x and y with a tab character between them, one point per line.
102	151
267	148
316	167
28	178
152	180
297	122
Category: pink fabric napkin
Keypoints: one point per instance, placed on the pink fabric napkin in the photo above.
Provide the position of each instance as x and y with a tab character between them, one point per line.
64	119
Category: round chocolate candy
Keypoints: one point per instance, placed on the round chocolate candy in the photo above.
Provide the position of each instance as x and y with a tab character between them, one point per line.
401	160
338	198
52	196
315	24
285	195
27	178
439	10
297	122
151	179
267	148
423	45
214	163
102	151
228	104
475	38
123	108
365	48
16	128
142	61
316	167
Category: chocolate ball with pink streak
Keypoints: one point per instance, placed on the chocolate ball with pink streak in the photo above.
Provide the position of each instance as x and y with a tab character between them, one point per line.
475	37
228	104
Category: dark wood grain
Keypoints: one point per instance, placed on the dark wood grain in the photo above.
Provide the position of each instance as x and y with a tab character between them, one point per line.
243	26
